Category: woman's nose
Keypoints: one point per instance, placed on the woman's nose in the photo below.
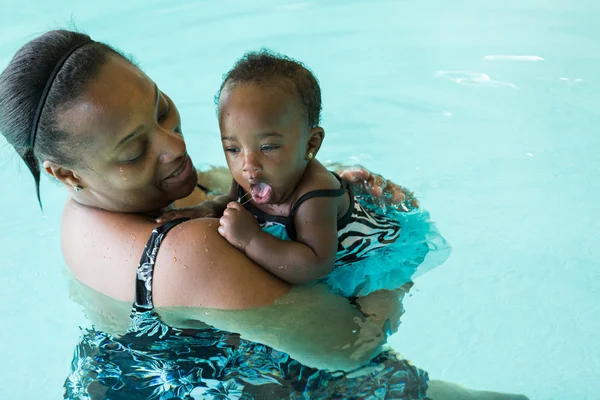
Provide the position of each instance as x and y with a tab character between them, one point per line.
171	146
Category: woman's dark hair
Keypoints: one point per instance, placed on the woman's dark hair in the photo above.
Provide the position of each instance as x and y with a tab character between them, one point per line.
22	84
266	67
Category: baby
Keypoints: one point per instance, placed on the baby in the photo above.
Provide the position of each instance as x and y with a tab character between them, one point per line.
284	209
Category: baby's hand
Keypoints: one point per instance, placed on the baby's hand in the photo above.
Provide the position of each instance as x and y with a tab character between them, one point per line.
238	225
205	209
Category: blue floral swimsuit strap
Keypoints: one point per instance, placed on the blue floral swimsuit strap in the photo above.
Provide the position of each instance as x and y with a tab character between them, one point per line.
145	269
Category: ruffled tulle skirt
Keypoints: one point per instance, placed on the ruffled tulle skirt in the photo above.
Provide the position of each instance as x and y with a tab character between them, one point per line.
419	248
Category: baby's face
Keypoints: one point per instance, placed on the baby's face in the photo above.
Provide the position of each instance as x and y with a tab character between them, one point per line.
265	138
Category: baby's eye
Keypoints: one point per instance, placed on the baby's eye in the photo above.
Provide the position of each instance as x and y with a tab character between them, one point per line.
232	150
268	147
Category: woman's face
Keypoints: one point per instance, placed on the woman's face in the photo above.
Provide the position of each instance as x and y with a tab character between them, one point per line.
128	136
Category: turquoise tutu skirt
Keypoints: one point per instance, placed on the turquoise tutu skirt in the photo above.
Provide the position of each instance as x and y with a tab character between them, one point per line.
418	249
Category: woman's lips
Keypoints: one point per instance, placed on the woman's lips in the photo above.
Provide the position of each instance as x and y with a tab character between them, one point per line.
181	173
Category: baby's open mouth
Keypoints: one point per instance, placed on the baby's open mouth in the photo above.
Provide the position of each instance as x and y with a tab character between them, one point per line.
261	192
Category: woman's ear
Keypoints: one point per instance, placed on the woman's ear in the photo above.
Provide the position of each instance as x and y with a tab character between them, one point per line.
315	139
64	175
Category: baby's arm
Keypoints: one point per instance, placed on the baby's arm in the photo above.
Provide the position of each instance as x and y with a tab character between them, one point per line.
310	257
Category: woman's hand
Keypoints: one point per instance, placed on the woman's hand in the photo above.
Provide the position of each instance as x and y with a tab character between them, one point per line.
383	192
384	305
202	210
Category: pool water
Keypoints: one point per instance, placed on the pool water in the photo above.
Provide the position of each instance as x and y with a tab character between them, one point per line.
487	110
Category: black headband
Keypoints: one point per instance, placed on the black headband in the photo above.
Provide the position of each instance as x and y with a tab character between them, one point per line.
40	107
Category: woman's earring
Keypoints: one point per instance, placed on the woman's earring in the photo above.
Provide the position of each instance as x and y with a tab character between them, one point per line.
310	156
78	188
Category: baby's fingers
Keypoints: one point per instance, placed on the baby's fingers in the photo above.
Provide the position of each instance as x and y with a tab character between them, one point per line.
235	206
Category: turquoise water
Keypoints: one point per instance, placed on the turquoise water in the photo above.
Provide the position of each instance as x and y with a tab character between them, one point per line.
488	110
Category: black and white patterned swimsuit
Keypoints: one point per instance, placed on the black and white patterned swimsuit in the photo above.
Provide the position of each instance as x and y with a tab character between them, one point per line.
360	231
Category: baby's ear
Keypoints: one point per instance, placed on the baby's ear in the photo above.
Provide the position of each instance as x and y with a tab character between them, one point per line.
315	139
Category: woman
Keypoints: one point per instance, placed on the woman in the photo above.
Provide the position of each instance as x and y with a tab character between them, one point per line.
97	124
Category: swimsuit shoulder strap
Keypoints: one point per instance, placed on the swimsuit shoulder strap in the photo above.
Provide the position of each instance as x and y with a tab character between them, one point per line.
290	227
260	214
145	269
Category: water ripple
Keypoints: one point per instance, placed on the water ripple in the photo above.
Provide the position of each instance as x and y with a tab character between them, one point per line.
472	78
509	57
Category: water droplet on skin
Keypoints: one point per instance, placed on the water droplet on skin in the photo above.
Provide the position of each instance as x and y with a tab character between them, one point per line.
206	249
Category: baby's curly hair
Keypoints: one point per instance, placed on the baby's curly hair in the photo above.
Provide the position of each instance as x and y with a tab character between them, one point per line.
270	68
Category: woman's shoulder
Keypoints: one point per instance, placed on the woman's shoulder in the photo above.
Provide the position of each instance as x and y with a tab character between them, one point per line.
197	267
102	249
194	265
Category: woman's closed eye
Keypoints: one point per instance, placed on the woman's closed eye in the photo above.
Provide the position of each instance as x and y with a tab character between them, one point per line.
138	157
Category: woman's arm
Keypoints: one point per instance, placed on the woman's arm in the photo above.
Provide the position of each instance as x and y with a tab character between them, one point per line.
200	278
312	325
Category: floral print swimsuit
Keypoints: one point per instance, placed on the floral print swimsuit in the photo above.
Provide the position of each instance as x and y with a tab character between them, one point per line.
155	361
